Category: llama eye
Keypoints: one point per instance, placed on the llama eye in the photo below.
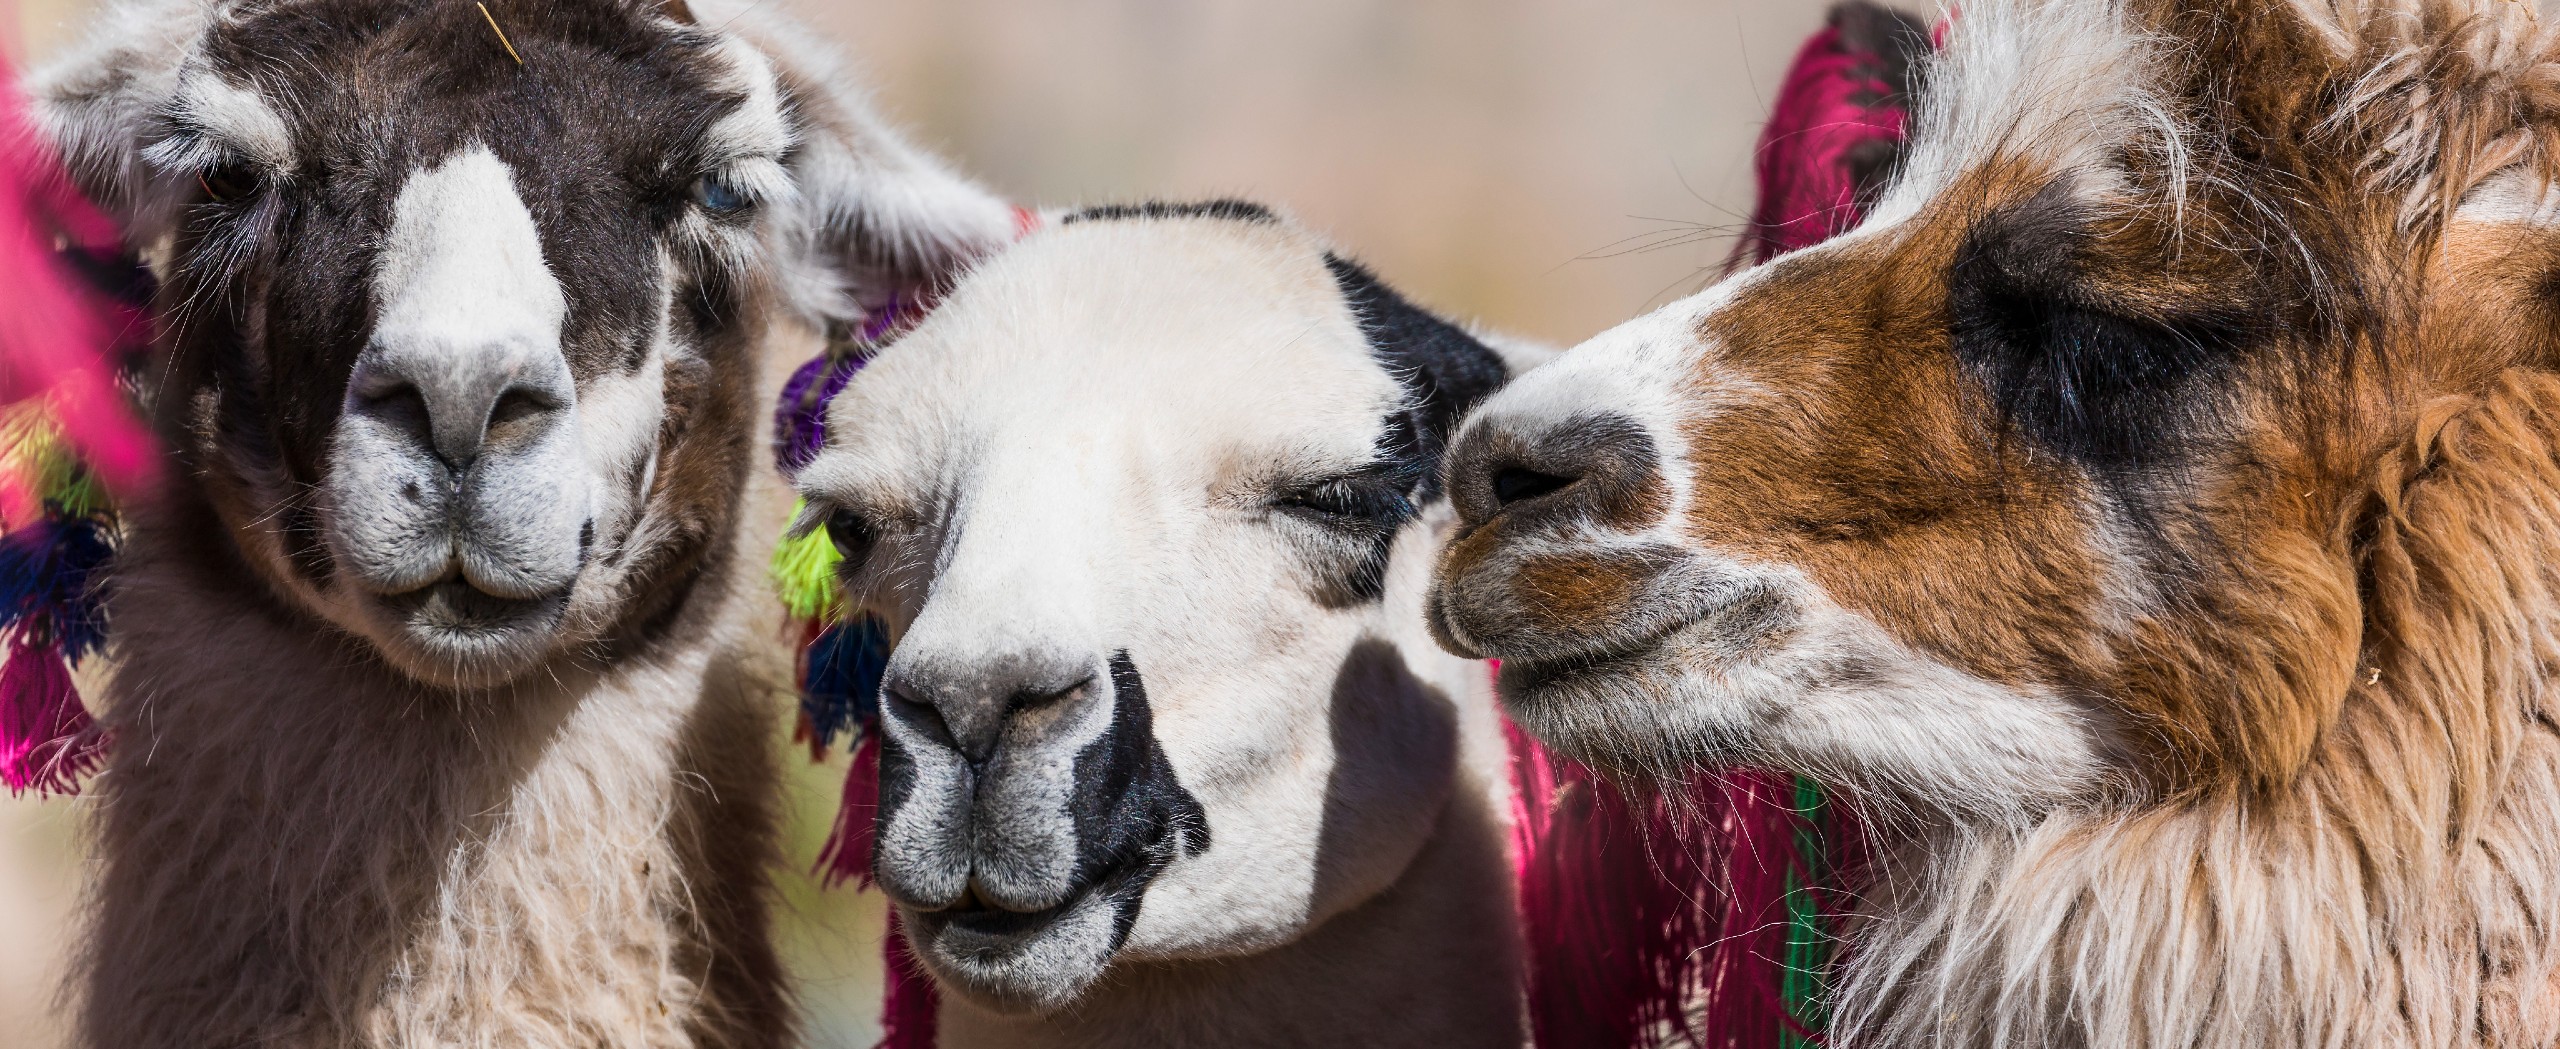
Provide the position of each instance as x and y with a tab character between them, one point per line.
853	535
1355	501
230	183
718	197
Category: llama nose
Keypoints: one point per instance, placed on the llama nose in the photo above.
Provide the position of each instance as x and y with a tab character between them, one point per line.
1597	469
460	403
966	705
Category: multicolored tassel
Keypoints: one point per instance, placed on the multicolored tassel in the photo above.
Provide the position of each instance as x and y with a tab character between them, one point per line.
841	662
76	319
52	567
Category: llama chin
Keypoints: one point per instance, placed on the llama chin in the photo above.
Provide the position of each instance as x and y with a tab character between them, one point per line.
432	730
1146	505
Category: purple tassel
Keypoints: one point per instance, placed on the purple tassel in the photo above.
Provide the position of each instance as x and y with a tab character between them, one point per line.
800	419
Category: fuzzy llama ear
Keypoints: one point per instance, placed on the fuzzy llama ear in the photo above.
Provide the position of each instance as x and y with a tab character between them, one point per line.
102	104
879	221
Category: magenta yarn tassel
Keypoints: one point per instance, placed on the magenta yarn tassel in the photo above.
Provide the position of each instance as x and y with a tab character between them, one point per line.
909	1006
1617	898
847	854
48	741
908	1003
1838	118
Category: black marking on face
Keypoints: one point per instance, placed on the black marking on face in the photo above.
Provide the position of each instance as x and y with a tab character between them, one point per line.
1133	817
2088	380
1444	370
1228	209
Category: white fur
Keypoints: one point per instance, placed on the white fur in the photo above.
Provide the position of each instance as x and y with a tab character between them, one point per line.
1075	453
462	266
2064	85
2517	196
233	120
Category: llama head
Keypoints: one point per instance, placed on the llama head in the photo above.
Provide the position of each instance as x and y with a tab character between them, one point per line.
2040	488
1147	505
462	306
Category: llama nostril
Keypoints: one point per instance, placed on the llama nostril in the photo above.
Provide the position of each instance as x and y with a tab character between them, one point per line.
402	408
927	719
1513	484
518	414
1035	699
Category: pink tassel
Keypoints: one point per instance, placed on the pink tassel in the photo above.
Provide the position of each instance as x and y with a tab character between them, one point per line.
48	742
1741	967
909	1006
908	1003
1833	105
1617	899
1637	907
58	337
847	853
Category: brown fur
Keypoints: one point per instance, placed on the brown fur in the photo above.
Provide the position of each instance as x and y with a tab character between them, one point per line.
303	844
302	848
2307	608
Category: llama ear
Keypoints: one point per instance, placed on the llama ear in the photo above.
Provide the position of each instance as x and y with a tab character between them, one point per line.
879	221
100	105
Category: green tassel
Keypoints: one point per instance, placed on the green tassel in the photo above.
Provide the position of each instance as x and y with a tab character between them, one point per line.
804	573
1804	987
32	448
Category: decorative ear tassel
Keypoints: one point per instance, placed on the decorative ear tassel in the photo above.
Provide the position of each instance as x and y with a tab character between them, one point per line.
804	573
841	688
48	741
50	571
1617	897
76	311
847	853
910	1008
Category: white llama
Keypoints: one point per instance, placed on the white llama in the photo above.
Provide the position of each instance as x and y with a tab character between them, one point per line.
1169	759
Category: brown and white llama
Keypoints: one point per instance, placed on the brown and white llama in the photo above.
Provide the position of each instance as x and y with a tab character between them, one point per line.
427	730
1147	505
2147	518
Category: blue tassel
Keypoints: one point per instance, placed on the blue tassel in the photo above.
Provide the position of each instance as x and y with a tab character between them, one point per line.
841	692
49	575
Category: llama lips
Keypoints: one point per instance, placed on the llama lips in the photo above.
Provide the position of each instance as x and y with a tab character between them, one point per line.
455	614
1033	961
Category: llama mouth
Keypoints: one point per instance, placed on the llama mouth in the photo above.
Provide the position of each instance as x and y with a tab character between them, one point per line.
1730	634
1016	961
985	926
454	614
991	923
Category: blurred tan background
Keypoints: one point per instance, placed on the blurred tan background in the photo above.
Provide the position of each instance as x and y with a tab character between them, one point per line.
1549	167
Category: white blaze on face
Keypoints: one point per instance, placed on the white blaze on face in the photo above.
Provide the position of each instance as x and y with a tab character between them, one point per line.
462	267
467	308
